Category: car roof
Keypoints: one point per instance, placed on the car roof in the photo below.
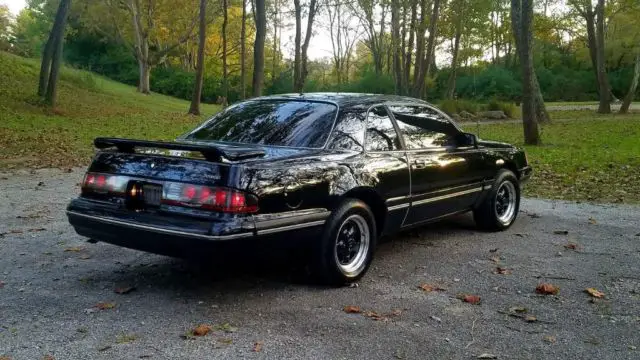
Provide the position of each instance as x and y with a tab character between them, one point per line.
347	100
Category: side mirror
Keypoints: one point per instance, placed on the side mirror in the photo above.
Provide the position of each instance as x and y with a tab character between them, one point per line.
467	139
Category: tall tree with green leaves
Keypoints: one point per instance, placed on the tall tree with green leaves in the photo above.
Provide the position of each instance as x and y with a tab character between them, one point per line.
301	58
52	57
521	20
197	91
260	18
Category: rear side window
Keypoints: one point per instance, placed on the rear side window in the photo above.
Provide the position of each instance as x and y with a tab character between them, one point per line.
423	127
381	134
348	133
270	122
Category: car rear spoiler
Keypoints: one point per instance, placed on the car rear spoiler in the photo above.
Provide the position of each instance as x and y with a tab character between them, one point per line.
210	152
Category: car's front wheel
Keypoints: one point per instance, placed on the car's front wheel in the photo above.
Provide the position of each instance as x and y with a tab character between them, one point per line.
346	247
500	207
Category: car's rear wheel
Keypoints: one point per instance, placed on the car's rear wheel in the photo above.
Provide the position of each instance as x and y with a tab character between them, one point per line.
346	247
500	207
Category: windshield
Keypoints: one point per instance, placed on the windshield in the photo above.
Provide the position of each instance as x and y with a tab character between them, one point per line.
270	122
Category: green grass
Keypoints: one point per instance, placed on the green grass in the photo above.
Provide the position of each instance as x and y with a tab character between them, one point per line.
33	136
596	158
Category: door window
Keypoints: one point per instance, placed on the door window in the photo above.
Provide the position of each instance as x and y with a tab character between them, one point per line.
349	131
381	134
423	127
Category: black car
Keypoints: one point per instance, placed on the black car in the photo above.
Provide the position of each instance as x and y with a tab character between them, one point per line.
332	172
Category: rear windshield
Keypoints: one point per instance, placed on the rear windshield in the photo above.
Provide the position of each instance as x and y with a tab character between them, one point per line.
270	122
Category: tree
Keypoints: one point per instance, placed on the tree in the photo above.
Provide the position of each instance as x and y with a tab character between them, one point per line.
603	80
396	45
5	21
410	42
225	71
521	20
243	52
624	108
52	57
425	64
457	7
260	17
142	27
343	38
300	62
366	10
197	91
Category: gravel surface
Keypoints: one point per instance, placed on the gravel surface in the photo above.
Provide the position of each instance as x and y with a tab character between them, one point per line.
51	281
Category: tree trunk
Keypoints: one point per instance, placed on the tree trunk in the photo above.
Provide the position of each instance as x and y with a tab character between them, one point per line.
632	87
419	88
395	45
144	78
49	49
258	47
313	9
521	19
243	51
298	40
197	90
274	58
56	59
420	42
451	86
603	79
412	30
225	71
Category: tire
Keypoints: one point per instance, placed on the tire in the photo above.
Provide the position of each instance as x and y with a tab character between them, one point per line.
347	244
499	209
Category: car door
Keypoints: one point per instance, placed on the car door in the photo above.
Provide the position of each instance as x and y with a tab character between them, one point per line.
447	170
386	166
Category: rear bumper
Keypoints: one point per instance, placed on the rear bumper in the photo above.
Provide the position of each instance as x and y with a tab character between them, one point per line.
185	237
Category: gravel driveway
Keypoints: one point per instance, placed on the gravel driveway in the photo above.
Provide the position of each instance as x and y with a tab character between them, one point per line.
51	282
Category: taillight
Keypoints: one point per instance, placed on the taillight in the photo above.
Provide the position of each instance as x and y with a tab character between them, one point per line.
209	198
103	184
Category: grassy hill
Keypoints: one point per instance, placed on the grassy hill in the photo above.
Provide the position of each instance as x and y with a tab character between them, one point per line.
88	106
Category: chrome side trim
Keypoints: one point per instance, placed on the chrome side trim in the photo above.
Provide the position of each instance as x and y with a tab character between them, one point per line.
291	227
160	230
397	207
447	196
398	198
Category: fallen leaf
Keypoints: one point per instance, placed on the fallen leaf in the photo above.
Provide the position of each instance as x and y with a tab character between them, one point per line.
493	250
495	259
126	338
518	309
530	318
396	312
534	216
124	290
547	289
638	234
592	221
595	293
487	356
226	327
48	357
352	309
104	348
105	306
431	287
225	341
561	232
201	330
471	299
1	284
257	347
436	318
36	230
571	246
550	339
502	271
74	249
84	257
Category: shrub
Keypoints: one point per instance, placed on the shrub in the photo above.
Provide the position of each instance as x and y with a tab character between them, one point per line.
457	106
508	109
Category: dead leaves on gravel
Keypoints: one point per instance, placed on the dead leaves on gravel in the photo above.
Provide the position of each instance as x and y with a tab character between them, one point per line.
471	299
594	293
431	287
352	309
547	289
124	290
